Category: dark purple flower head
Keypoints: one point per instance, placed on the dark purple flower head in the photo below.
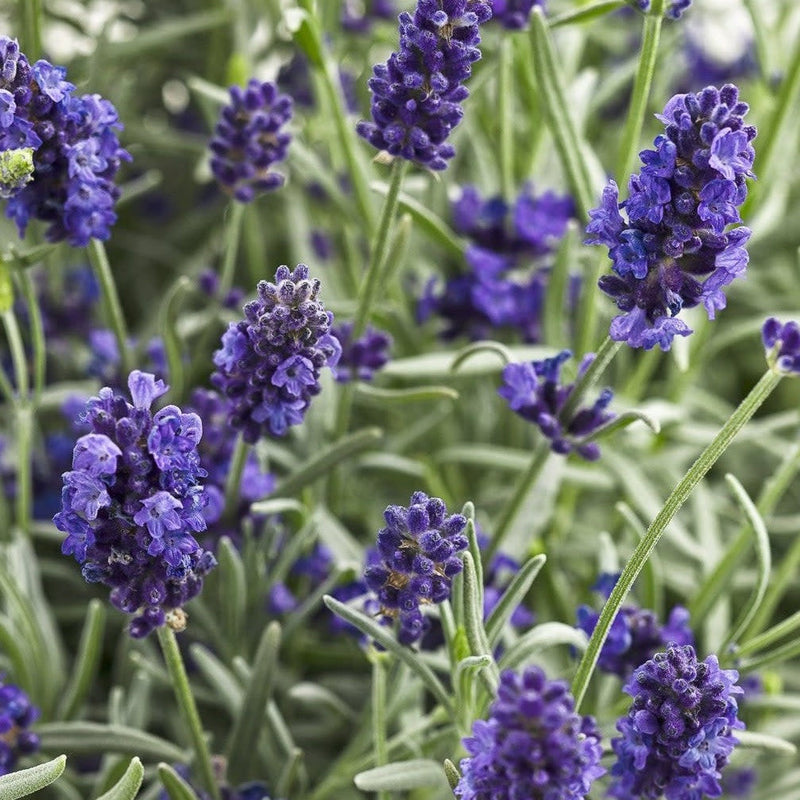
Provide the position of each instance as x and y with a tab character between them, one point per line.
133	501
782	342
252	790
361	358
635	634
417	93
249	139
513	14
507	259
270	362
533	390
675	251
534	744
75	150
358	15
17	714
418	557
678	734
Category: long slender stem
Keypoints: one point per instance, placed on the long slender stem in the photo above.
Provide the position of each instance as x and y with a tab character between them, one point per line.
379	713
233	481
602	359
233	232
113	307
505	102
641	91
380	249
679	495
37	334
31	11
521	490
17	348
188	707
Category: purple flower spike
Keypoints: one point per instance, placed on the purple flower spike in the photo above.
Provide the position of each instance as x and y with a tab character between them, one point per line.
418	557
133	501
270	362
76	152
513	15
358	15
534	744
675	250
782	342
678	734
248	140
533	390
361	358
417	93
17	714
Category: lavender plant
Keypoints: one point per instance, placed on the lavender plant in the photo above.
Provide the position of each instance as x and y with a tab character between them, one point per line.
294	626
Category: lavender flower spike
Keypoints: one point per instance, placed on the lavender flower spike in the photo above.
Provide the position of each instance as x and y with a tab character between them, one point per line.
59	153
534	744
133	501
678	734
418	557
417	93
270	362
249	139
675	249
17	714
533	390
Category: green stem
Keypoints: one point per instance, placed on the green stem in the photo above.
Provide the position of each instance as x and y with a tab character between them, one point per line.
774	634
188	707
380	249
37	335
18	358
379	721
24	498
680	493
772	492
505	102
233	232
31	12
521	490
347	141
586	13
641	91
102	270
233	481
585	382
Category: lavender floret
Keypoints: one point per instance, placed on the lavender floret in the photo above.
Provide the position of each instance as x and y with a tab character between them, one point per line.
249	139
514	14
361	358
270	362
17	714
782	342
675	250
534	744
678	734
417	93
533	390
133	501
418	550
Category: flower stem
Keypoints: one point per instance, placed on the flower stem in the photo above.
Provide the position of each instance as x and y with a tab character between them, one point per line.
641	91
233	481
647	544
603	357
102	270
512	507
380	250
505	102
37	335
31	12
188	708
379	721
232	236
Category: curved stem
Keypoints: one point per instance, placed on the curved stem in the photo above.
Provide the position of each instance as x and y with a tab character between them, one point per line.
37	334
521	490
505	102
233	481
679	495
641	91
188	707
232	236
604	356
102	270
